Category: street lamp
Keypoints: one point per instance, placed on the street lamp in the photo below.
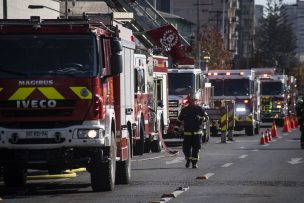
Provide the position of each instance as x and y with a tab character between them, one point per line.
42	6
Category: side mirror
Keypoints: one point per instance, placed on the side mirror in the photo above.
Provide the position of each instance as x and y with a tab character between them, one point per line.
116	57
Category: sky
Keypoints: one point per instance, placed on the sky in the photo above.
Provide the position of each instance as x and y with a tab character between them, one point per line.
263	2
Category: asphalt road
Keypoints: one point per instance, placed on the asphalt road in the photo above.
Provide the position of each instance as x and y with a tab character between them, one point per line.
239	171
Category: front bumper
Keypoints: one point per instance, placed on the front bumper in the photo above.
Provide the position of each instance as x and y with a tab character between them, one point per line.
52	138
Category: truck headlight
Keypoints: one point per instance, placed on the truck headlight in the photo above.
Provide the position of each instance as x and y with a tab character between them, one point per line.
87	134
240	109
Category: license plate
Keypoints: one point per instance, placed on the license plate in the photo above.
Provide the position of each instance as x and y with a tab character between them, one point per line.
36	134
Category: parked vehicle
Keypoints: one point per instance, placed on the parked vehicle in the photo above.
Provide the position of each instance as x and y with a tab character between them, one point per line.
242	88
66	100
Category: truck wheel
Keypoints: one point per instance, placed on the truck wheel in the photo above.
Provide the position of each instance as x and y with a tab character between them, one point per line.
140	144
257	129
103	171
249	131
13	176
156	145
123	168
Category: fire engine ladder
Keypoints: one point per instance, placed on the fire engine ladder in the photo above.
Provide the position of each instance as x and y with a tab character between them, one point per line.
145	18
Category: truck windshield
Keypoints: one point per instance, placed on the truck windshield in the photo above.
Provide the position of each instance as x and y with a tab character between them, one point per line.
271	88
47	55
181	83
236	87
218	87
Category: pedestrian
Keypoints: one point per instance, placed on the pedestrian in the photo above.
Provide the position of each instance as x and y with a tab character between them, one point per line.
192	116
300	116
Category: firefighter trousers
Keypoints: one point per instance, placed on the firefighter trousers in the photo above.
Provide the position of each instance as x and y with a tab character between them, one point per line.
191	147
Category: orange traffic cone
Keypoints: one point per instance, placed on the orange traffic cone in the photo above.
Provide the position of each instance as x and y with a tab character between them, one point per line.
296	121
262	139
291	123
269	135
286	128
266	138
274	132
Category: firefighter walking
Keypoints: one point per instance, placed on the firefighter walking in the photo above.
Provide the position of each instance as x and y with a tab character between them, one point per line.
192	116
300	115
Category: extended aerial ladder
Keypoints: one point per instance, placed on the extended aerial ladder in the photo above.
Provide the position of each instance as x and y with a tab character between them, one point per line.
152	30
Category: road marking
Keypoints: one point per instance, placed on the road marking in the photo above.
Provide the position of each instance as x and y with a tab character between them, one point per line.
265	145
168	196
243	156
227	165
152	158
176	160
295	161
255	150
242	147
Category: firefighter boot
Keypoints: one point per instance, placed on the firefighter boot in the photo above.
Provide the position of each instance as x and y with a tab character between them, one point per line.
188	163
194	164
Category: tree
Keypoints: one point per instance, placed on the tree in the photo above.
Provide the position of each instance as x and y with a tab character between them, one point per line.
275	41
212	44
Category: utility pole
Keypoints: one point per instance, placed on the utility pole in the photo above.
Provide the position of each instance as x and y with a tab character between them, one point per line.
66	9
198	40
4	9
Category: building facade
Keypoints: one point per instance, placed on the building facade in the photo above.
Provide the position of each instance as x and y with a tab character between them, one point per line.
219	14
18	9
295	14
246	31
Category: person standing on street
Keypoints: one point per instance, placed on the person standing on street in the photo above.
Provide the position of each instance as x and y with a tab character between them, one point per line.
300	116
193	117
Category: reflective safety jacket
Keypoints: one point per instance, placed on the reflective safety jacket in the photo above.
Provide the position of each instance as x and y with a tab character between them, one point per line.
192	116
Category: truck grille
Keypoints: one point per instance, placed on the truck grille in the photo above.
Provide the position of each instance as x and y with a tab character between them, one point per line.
36	113
40	125
39	141
173	114
173	103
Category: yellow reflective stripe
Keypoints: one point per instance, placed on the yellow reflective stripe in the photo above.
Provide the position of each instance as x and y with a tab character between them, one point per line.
50	93
223	118
193	133
1	89
79	92
194	159
22	93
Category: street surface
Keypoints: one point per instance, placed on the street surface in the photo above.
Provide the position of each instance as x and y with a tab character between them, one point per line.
239	171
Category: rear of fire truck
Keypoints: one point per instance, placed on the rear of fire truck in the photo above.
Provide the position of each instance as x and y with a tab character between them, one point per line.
57	102
241	88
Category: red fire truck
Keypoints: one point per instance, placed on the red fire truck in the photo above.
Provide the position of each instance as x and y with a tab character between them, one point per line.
278	95
66	99
151	100
242	88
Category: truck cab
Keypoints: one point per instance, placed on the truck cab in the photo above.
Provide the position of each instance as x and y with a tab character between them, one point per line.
184	80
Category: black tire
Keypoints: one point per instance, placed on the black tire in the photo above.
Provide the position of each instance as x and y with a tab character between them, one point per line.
249	131
140	144
14	176
123	168
257	129
156	145
103	171
203	138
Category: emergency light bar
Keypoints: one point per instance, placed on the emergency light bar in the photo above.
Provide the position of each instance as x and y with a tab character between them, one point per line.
226	73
